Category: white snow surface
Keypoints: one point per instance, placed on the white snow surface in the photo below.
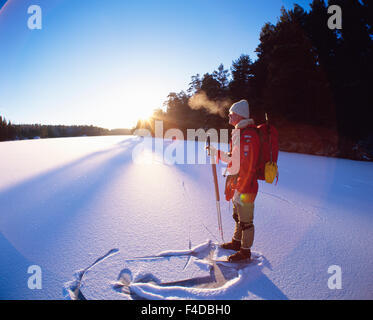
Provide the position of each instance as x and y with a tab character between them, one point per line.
102	226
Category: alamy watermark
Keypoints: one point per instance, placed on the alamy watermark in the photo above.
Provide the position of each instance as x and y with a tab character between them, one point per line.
34	21
335	20
35	280
170	147
335	281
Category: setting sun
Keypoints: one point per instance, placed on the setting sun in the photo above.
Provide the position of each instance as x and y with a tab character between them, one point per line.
119	104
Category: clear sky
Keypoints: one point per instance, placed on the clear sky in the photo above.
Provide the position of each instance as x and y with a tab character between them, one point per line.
108	63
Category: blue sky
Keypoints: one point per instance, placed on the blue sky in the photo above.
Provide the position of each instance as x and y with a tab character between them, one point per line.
108	63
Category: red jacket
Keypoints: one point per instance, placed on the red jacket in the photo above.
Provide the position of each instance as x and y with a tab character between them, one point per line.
248	152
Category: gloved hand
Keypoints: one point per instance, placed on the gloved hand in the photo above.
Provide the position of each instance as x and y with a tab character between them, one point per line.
213	151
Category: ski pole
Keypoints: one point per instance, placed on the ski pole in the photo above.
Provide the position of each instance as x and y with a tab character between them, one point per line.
213	167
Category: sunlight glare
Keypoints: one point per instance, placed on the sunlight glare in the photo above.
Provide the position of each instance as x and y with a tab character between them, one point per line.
137	102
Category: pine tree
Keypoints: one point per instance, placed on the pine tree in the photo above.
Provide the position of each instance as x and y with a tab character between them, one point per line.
241	74
221	75
286	74
195	84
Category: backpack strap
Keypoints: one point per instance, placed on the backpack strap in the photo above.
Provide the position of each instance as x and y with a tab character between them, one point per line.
259	159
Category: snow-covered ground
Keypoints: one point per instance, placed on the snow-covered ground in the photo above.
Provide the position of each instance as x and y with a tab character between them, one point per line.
82	204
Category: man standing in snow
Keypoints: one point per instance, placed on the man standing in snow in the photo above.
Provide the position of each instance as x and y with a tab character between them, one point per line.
241	184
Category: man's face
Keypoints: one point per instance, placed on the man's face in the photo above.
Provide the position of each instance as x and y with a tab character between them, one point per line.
234	118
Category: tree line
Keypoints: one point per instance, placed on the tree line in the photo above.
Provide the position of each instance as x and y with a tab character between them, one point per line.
9	131
314	82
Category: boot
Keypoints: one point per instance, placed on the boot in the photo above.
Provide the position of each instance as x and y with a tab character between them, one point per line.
243	254
233	245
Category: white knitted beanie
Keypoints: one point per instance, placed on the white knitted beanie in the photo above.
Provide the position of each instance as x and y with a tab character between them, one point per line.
241	108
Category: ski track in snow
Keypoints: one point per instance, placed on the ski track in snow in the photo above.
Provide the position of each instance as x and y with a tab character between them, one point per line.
72	288
207	255
321	218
